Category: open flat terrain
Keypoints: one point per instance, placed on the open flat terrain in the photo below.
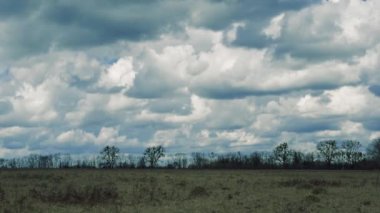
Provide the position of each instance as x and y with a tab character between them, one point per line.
79	190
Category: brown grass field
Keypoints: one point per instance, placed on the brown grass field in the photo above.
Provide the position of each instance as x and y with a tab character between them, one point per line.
79	190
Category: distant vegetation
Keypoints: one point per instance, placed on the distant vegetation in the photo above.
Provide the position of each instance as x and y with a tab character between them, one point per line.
330	155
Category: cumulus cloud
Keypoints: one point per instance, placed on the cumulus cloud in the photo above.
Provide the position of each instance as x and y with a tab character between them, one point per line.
191	75
119	75
273	31
238	137
329	29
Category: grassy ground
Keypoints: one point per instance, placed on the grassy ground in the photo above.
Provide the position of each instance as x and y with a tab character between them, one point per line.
189	191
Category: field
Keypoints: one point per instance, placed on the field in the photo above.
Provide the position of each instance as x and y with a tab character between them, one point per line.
189	191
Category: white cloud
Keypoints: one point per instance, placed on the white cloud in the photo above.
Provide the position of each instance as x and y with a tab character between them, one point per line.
232	33
203	39
331	29
347	100
352	128
75	137
304	146
370	64
59	66
203	138
171	137
11	153
106	136
120	74
11	131
110	135
266	123
309	105
118	101
34	103
274	29
238	137
374	135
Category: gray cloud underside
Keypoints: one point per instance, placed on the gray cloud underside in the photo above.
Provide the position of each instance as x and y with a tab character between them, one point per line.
76	25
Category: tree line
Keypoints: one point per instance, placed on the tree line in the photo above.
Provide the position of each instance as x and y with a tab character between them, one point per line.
348	154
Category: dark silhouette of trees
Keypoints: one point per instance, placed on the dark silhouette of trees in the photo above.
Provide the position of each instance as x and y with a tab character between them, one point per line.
153	154
297	159
233	160
180	161
281	154
329	155
141	163
3	163
255	159
46	162
33	161
308	160
351	153
199	159
109	155
374	150
328	150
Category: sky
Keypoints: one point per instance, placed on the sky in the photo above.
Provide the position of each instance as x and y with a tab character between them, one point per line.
191	75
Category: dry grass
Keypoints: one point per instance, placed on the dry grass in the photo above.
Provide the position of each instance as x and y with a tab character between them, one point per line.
188	191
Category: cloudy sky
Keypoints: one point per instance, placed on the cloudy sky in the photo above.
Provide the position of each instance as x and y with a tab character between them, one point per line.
190	75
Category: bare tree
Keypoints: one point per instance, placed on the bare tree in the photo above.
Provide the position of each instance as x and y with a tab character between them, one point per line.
351	151
153	154
328	150
33	161
255	159
297	159
374	150
109	155
282	153
199	160
45	161
180	160
141	163
65	161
